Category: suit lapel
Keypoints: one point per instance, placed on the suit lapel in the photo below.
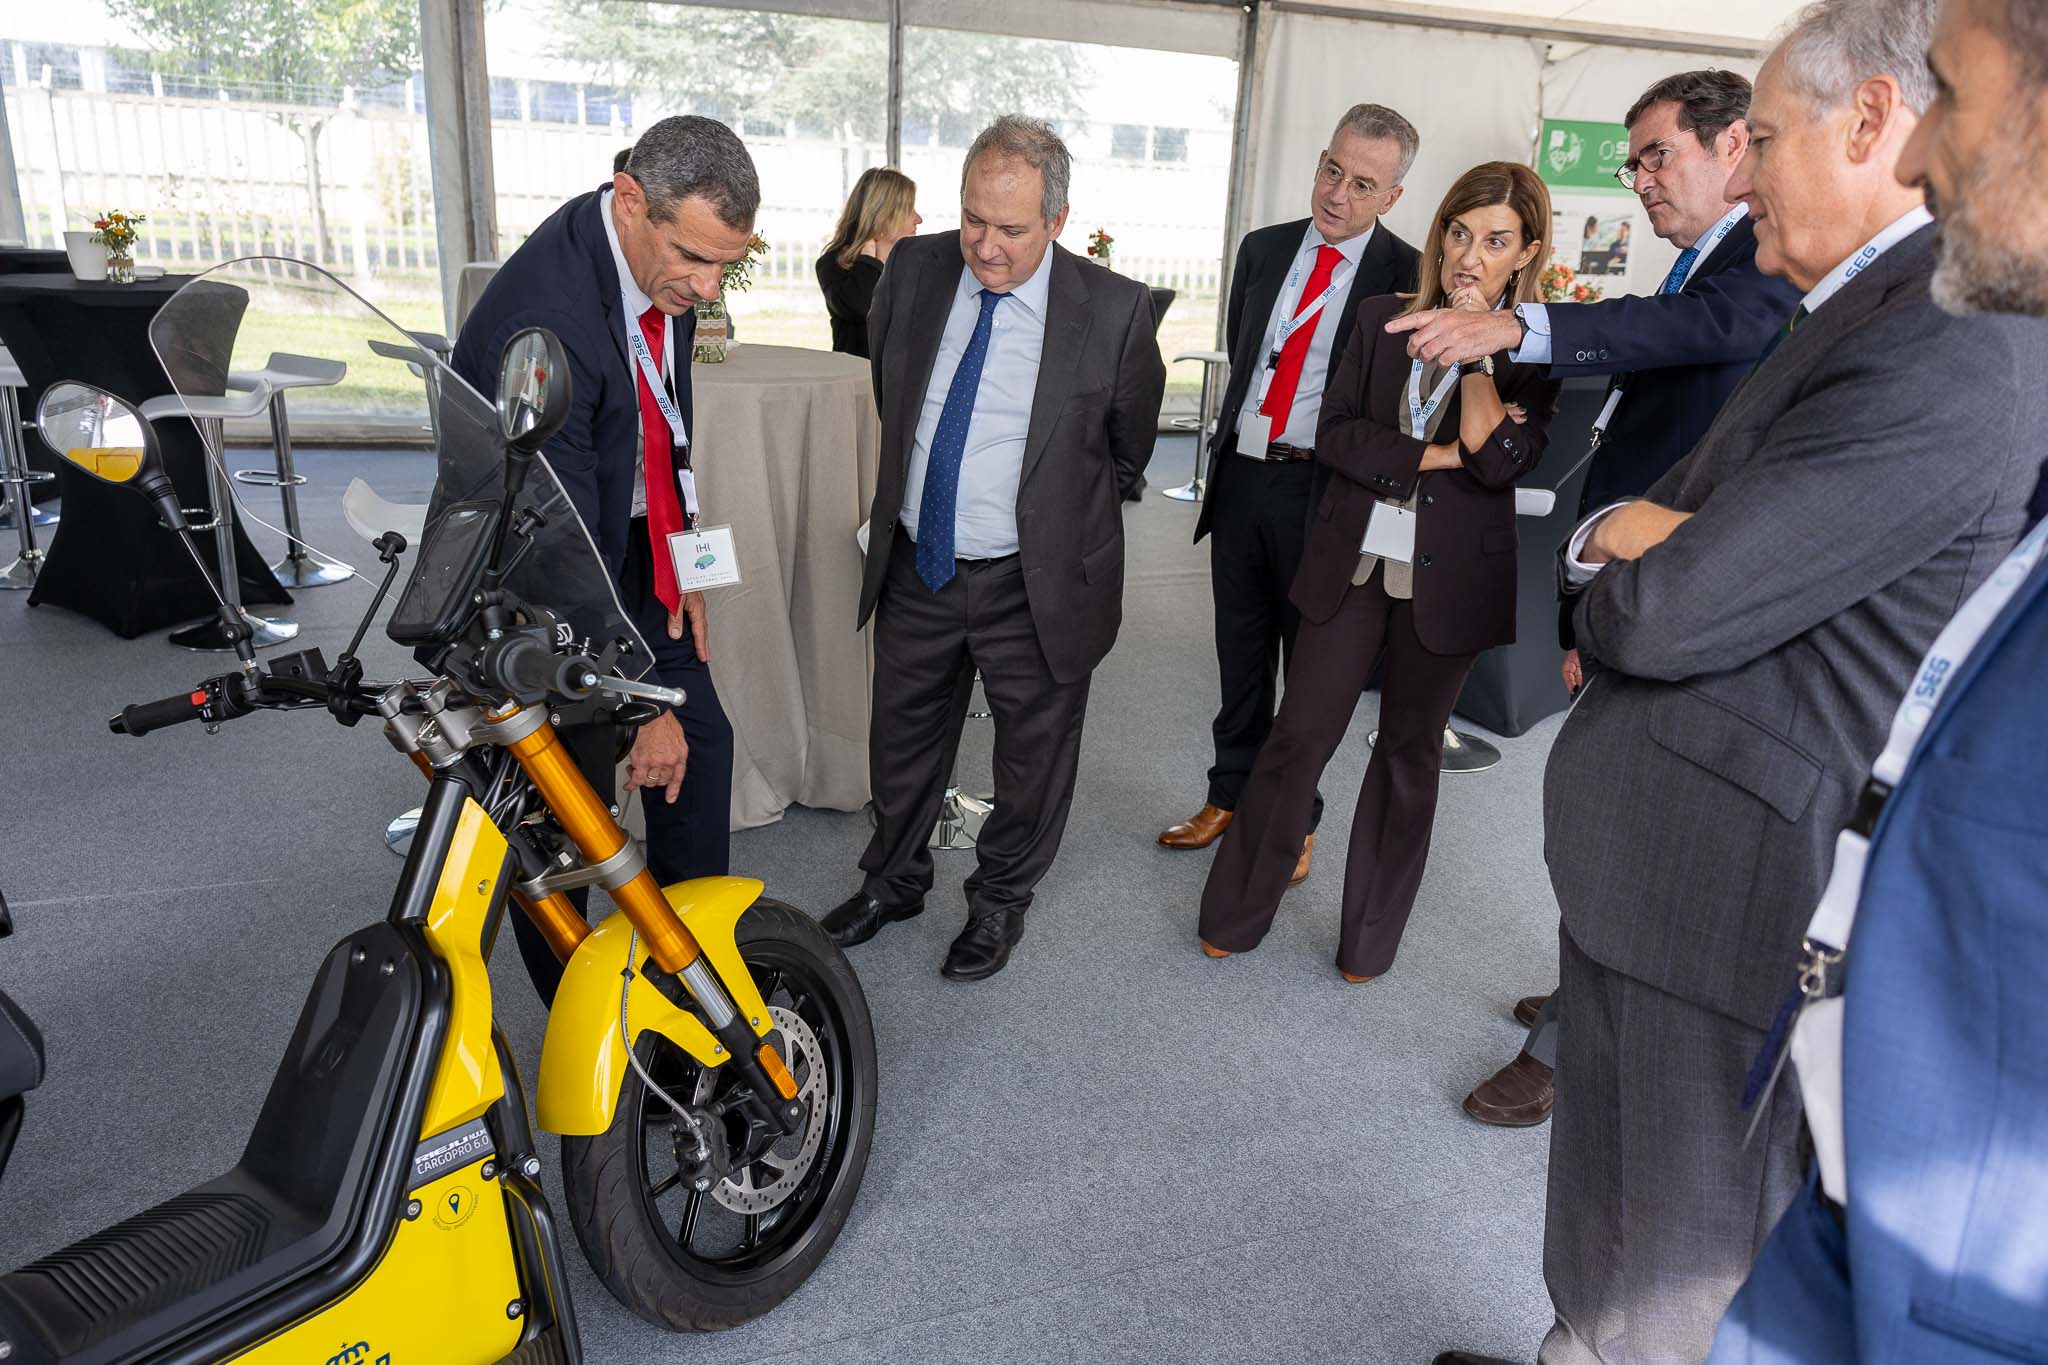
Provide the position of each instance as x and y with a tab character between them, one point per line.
607	279
938	280
1066	328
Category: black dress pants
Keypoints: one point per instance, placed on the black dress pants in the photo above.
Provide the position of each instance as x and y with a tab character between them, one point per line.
1396	801
1256	536
927	646
689	837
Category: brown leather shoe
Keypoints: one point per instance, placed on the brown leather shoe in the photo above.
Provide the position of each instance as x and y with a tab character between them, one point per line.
1200	830
1354	980
1212	950
1301	868
1519	1095
1528	1007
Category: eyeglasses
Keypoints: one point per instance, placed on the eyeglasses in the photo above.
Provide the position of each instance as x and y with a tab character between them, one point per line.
1331	173
1651	159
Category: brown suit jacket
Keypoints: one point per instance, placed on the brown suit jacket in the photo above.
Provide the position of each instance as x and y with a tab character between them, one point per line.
1465	525
1094	417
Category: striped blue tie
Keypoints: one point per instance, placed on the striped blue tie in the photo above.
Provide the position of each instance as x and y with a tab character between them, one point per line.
935	510
1675	281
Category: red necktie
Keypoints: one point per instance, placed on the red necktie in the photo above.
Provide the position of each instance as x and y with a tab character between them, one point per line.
1287	374
664	507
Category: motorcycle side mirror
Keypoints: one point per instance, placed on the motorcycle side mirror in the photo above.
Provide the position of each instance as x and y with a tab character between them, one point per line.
533	389
107	437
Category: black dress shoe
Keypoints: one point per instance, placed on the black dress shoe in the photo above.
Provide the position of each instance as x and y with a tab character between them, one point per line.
860	917
984	945
1467	1358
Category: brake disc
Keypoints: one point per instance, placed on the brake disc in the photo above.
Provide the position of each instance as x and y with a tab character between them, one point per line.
791	1158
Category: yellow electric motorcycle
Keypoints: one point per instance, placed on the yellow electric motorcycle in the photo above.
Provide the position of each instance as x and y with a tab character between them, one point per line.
709	1060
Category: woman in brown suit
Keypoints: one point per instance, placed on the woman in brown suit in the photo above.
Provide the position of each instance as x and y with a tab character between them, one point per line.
1429	458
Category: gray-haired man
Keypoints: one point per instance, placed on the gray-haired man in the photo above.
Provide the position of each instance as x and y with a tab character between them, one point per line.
1019	391
1294	294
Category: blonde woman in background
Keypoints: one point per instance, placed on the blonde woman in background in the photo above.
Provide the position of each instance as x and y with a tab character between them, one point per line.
881	211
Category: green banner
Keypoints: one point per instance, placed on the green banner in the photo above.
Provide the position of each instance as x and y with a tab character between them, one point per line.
1582	156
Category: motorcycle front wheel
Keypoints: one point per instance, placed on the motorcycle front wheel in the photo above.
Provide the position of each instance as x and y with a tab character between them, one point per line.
700	1260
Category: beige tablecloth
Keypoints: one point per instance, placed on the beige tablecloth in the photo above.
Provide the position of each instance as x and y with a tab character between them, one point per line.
786	448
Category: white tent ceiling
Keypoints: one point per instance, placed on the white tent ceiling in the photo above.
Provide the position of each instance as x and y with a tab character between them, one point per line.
1747	23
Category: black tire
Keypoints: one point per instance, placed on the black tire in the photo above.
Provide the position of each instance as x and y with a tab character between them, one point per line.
620	1185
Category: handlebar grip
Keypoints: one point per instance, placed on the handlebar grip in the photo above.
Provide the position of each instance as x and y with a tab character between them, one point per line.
140	719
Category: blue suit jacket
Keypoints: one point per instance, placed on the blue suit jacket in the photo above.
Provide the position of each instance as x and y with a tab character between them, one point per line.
562	278
1945	1045
1679	355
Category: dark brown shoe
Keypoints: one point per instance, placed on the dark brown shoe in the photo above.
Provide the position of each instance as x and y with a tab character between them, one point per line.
1528	1007
1301	868
1200	830
1519	1095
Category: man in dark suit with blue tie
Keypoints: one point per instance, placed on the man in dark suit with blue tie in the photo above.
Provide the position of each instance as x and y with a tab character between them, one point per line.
1674	356
1019	390
617	274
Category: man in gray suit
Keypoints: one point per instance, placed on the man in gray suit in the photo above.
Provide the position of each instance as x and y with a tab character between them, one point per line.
1752	623
1019	389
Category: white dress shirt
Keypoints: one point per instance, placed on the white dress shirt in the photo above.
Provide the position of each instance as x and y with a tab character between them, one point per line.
636	303
1576	571
1300	428
985	504
1535	348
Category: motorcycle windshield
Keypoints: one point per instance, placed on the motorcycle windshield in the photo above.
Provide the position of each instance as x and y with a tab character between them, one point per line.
250	336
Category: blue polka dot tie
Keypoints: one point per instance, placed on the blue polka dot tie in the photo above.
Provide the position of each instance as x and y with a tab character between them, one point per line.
1675	281
935	510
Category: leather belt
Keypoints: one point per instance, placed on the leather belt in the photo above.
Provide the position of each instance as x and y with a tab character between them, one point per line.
1279	452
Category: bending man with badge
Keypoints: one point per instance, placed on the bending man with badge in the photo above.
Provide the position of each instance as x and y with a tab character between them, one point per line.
1410	557
617	274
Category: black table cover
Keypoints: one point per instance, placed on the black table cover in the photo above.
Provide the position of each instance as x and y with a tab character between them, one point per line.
111	558
1513	687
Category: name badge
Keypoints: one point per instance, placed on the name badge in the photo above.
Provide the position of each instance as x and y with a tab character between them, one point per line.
704	558
1254	434
1391	533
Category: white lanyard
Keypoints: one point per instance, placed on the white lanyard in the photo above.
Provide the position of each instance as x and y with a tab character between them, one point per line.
1707	246
1836	915
655	382
1420	412
1290	325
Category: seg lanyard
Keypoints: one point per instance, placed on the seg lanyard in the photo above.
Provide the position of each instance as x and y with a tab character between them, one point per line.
658	386
1420	412
1836	915
1827	933
1290	325
1707	246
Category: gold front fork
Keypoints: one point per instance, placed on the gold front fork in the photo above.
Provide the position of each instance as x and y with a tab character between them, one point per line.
588	822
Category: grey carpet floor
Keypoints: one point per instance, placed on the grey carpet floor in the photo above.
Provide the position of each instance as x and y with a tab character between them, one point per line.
1116	1150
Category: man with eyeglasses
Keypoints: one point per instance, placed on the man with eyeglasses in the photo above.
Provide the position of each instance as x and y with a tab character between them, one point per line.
1674	356
1294	295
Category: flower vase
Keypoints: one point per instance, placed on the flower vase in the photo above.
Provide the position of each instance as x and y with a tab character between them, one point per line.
714	334
120	269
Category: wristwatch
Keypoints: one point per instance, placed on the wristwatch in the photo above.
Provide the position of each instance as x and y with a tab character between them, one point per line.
1486	365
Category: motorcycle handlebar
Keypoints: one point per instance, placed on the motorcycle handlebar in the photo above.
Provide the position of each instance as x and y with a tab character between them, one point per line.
146	716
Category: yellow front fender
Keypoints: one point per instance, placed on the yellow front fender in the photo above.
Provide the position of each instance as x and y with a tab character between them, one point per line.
583	1061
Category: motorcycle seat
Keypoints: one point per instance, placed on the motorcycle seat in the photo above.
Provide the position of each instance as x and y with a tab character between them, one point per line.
21	1051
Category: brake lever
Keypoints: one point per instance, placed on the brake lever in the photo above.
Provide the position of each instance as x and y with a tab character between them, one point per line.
626	687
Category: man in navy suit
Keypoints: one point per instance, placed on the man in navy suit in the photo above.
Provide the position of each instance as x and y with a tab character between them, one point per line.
617	274
1307	277
1675	357
1923	1236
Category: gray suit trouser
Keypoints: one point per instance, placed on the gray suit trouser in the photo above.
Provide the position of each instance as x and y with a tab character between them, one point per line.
1656	1206
927	648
